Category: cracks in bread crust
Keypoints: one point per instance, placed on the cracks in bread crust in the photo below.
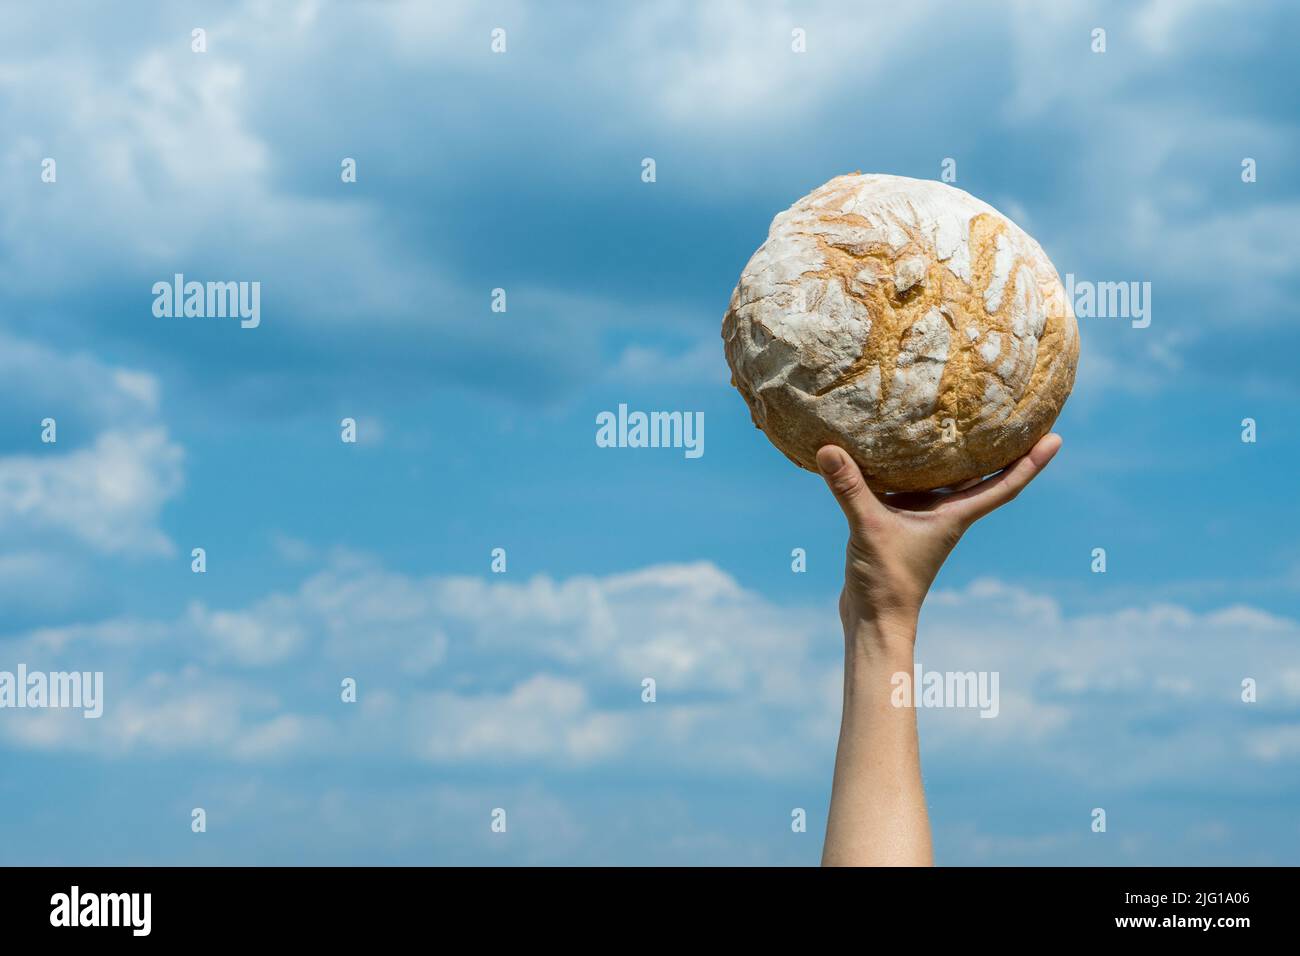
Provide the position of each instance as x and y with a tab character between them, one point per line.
881	308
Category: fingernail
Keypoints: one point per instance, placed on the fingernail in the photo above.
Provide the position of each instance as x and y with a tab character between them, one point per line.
829	459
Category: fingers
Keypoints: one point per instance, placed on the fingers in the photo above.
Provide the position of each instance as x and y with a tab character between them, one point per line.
845	480
994	492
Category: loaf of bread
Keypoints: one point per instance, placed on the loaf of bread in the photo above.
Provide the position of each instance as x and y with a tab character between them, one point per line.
907	322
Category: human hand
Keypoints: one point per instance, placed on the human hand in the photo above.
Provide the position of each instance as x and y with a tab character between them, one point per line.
898	542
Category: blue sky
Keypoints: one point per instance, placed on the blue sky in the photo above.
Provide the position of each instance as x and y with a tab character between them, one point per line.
522	690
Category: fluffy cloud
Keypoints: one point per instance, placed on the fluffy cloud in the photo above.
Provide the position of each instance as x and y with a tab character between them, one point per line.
107	496
1087	690
450	670
83	393
173	161
104	482
484	672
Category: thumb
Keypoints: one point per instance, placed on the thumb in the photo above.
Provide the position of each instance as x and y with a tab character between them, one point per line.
846	483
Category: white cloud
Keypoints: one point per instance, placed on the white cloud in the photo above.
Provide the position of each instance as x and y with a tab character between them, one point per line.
267	634
1159	22
292	550
107	495
1078	680
700	364
418	31
470	671
730	64
160	165
541	718
105	480
1273	744
167	713
38	382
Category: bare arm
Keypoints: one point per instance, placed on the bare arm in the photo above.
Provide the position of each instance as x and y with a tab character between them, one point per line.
897	543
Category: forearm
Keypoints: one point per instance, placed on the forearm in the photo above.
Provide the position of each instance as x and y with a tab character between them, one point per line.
877	814
896	546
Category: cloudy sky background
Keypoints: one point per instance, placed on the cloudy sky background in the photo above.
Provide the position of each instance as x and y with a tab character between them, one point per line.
522	690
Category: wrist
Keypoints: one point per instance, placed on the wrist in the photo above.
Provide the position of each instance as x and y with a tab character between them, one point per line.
888	639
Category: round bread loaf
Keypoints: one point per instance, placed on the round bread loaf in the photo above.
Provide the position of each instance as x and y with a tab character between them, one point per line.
907	322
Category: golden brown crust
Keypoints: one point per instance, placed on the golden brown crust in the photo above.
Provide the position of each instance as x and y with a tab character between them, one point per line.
907	322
